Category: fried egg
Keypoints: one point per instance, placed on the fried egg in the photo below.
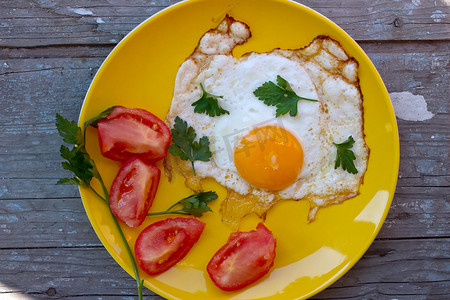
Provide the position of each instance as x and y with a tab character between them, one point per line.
260	158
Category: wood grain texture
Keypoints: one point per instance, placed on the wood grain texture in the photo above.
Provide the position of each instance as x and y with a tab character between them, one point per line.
97	275
49	52
66	272
387	258
44	23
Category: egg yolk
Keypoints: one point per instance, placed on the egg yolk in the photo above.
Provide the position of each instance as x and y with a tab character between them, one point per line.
269	157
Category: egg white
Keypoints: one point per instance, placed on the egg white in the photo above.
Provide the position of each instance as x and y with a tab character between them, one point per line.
322	71
235	80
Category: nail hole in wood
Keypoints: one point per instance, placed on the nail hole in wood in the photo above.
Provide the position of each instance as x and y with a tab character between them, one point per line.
51	291
398	22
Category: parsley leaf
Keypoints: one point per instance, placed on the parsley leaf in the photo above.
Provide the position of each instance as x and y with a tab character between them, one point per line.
345	157
69	131
195	205
280	95
77	159
79	163
209	105
184	145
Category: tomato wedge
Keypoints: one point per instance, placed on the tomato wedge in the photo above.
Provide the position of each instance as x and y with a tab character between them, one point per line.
163	244
133	190
133	132
245	258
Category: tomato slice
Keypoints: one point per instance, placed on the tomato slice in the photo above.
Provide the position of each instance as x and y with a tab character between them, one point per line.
163	244
133	132
133	190
245	258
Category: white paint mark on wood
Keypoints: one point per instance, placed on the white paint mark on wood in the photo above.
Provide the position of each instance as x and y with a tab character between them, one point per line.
438	15
410	107
81	11
99	20
47	3
416	2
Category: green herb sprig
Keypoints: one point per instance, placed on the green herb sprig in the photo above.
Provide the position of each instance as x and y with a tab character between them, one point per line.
83	167
185	146
209	104
195	205
280	95
345	156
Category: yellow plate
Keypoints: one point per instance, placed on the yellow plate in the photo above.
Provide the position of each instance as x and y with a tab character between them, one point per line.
140	72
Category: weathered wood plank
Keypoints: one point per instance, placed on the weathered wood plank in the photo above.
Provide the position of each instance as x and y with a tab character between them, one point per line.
63	222
97	51
43	23
33	91
410	269
49	223
101	51
381	273
55	273
416	215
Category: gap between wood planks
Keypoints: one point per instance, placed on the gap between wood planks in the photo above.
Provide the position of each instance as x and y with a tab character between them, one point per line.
102	50
101	246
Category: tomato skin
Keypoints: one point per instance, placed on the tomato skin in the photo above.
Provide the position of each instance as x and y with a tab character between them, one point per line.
163	244
133	190
133	132
245	258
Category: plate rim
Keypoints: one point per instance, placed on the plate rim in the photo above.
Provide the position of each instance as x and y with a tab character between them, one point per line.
363	248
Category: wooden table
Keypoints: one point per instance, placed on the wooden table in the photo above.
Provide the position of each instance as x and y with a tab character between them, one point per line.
51	50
